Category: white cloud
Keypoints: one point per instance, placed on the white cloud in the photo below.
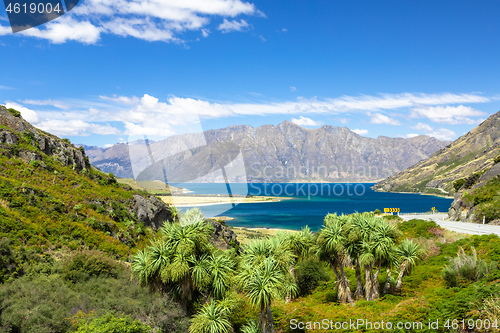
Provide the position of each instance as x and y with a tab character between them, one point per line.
441	134
292	88
151	20
233	25
412	135
66	29
303	121
423	127
205	32
75	127
56	103
378	118
28	114
447	114
360	131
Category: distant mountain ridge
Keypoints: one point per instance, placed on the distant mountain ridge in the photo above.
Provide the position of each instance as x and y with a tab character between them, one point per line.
286	152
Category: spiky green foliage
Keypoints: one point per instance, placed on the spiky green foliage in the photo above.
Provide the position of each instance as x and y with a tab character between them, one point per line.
407	254
251	327
332	242
464	268
212	318
182	260
262	284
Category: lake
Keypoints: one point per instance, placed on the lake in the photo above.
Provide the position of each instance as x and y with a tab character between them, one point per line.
309	203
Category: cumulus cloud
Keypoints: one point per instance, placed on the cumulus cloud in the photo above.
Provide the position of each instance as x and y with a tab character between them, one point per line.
28	114
447	114
75	127
233	25
150	20
360	131
378	118
411	135
441	133
423	127
303	121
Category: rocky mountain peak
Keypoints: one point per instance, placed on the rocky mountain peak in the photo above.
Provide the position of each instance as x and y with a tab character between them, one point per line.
31	143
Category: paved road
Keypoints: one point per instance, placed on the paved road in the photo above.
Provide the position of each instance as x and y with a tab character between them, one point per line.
462	227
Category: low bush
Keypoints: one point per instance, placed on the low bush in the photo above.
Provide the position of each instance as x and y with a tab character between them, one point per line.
310	273
111	323
471	180
457	184
14	112
419	228
497	159
82	266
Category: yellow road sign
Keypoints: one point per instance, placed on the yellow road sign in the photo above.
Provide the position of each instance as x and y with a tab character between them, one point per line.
433	208
391	210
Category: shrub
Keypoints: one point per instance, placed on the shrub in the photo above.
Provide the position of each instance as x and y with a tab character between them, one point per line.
419	228
310	273
457	184
464	269
110	323
35	163
7	260
84	265
471	180
497	159
377	211
14	112
103	226
14	150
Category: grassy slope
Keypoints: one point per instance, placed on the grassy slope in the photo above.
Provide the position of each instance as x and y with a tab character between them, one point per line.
425	295
56	207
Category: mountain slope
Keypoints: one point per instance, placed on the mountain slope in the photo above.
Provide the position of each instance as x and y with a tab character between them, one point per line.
51	197
286	152
474	152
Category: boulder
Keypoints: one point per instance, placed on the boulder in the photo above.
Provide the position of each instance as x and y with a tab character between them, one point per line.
151	211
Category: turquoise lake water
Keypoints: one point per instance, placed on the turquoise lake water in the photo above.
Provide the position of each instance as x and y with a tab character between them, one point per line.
309	203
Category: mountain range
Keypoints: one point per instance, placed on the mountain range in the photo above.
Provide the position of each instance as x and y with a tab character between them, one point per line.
286	152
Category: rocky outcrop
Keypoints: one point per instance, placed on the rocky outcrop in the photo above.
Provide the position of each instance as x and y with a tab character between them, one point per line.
471	153
286	152
463	210
16	130
151	211
223	237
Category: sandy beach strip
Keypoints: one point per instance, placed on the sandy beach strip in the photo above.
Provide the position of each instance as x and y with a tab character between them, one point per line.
209	200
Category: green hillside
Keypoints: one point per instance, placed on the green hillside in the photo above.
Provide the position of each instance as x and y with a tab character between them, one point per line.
80	252
51	198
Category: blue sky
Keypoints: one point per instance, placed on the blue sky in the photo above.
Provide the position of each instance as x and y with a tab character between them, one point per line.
111	70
